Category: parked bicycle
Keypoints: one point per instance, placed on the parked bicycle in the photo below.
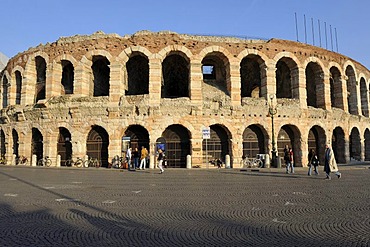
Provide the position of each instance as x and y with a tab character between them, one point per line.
91	162
45	161
21	160
251	162
70	162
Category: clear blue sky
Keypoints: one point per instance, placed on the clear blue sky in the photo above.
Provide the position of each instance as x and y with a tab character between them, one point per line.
27	23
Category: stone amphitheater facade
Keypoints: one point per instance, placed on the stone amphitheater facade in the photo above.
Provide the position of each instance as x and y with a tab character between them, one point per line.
86	95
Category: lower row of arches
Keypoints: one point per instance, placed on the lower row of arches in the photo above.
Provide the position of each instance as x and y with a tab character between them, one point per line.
177	142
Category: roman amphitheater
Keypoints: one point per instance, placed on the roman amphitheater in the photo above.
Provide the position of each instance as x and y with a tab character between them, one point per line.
199	97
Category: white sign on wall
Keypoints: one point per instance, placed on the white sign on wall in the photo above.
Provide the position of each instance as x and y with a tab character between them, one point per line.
206	133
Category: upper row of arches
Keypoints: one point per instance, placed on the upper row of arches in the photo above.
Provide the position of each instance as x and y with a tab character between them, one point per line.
179	73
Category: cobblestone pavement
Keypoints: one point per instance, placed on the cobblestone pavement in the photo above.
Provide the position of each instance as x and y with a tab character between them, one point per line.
227	207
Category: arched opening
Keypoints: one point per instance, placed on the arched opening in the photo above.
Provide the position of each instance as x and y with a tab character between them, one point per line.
5	91
355	145
314	85
97	144
139	137
253	141
364	99
64	146
285	78
40	78
290	135
367	144
37	144
250	76
317	141
138	75
219	145
15	138
175	72
338	145
101	72
67	77
18	85
351	91
177	145
2	143
336	90
216	72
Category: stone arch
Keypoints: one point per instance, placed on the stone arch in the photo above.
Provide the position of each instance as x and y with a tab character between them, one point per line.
254	141
219	145
338	144
139	136
315	85
367	144
252	72
178	49
65	72
355	144
64	145
364	94
177	145
351	90
316	140
336	88
2	143
287	77
291	136
175	75
37	147
97	143
15	146
137	68
5	88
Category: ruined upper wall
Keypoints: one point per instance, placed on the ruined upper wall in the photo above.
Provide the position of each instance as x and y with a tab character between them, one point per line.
79	45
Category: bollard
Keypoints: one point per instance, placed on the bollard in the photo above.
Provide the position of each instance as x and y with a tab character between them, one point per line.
227	161
267	161
14	162
58	160
188	161
34	160
151	161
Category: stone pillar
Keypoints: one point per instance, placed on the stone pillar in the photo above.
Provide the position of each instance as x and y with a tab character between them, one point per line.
299	90
343	81
58	160
235	84
270	80
53	80
116	77
28	83
34	160
363	150
196	78
151	161
346	151
83	78
197	152
155	79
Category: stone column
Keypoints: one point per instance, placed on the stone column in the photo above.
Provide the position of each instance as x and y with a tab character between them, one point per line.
50	145
116	77
83	78
155	81
53	80
28	83
235	84
270	81
196	78
299	90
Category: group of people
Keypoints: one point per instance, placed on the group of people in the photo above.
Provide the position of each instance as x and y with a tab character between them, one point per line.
330	165
133	157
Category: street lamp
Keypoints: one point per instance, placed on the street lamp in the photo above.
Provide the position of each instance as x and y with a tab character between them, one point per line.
272	112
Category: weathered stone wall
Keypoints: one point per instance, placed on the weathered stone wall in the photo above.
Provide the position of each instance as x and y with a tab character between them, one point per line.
207	105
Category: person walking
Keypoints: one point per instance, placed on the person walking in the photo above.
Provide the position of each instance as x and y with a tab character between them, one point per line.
160	159
144	154
330	163
289	159
313	161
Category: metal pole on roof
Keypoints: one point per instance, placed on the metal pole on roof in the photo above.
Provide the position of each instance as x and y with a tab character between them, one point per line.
319	32
296	26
